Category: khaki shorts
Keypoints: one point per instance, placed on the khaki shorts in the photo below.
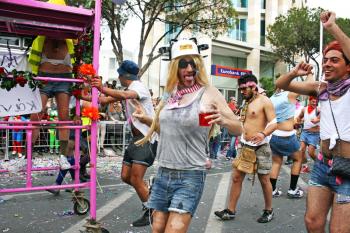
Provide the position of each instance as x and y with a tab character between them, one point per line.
263	155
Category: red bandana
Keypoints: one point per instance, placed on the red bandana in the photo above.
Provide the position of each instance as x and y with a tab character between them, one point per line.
310	109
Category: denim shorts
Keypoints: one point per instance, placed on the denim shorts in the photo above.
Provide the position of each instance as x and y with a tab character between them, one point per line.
320	177
143	155
310	138
177	190
284	146
52	88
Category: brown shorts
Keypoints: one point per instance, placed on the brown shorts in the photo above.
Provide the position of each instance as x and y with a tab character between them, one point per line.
263	155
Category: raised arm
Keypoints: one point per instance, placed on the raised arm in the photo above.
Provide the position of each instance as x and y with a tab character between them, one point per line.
116	94
286	82
328	20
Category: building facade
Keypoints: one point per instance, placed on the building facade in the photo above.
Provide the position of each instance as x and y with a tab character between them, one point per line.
241	50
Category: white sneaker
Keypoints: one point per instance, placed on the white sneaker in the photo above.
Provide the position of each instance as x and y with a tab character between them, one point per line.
276	193
63	162
296	193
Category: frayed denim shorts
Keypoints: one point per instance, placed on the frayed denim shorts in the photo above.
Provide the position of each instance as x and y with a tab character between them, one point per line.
320	177
177	190
310	138
284	146
52	88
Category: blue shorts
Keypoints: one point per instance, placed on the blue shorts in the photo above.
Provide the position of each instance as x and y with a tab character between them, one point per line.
177	190
17	136
320	177
52	88
284	146
310	138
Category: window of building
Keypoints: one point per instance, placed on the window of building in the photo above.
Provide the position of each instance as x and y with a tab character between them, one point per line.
173	30
267	69
240	3
27	42
240	30
12	41
262	32
112	63
230	93
263	4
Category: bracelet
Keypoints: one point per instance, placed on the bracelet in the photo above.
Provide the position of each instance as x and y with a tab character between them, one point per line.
263	134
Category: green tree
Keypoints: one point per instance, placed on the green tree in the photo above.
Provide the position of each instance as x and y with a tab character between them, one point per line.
296	34
268	84
211	17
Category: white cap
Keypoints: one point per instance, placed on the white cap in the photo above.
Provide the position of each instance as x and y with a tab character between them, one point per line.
184	47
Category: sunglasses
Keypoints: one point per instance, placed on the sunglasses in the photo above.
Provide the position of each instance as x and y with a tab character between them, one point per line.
183	64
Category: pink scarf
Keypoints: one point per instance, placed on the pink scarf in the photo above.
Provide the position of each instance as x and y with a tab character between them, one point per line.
179	93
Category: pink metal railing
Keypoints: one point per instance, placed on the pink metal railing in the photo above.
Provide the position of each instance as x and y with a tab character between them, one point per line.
29	17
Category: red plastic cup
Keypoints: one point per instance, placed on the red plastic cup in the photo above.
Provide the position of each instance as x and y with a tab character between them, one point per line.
202	120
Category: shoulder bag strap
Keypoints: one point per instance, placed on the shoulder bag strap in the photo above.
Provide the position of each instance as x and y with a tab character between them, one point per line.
335	124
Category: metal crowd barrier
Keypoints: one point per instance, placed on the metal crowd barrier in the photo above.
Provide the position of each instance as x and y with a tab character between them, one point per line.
117	136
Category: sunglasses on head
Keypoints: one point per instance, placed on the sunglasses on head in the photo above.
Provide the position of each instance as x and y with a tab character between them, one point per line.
183	64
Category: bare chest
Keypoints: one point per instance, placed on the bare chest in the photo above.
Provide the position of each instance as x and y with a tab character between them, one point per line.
55	49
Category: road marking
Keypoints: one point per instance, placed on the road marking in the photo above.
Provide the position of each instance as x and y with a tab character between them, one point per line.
213	224
10	196
103	211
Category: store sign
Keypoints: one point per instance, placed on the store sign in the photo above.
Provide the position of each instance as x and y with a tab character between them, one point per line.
227	71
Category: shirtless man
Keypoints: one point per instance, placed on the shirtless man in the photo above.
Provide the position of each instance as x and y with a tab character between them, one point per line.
327	191
258	118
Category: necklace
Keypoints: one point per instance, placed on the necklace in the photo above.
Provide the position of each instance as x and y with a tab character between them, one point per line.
244	110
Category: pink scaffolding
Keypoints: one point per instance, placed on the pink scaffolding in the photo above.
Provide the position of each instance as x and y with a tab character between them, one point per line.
30	17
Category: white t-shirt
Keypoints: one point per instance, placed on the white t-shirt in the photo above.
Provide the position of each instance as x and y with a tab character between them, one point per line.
145	99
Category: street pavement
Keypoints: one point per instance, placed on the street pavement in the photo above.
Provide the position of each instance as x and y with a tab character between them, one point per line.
118	204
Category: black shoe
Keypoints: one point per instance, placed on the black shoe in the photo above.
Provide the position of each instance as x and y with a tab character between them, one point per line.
54	191
144	220
266	217
225	214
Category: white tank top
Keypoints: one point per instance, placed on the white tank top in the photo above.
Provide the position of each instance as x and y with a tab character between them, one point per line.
308	117
341	111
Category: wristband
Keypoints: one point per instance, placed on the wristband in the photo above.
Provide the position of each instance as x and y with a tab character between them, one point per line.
263	134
